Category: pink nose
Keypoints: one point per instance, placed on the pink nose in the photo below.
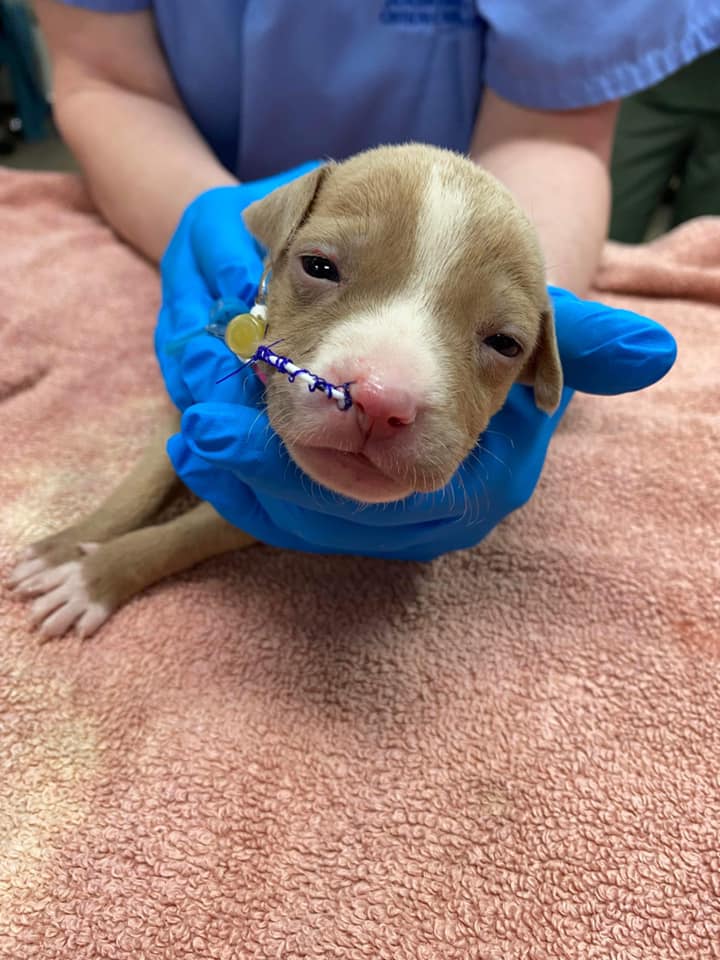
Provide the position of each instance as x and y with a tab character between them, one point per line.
382	410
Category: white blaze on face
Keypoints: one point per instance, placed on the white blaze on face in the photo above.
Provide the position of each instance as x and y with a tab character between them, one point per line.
443	231
398	338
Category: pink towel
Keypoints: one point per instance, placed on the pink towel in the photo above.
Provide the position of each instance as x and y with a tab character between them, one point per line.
512	753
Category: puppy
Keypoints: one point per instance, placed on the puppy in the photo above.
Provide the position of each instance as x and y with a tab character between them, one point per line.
408	271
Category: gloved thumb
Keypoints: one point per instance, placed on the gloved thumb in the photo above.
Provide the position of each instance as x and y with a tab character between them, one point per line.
235	437
605	350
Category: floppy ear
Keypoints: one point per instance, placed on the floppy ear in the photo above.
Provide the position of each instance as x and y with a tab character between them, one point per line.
543	370
274	219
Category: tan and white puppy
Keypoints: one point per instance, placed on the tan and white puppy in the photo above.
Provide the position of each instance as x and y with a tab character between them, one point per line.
412	273
408	271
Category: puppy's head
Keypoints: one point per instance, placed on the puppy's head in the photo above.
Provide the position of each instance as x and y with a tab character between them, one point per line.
411	273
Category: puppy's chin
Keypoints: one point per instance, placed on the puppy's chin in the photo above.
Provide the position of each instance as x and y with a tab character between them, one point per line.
354	475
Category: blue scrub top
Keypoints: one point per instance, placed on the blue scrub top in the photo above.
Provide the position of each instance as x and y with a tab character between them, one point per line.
271	83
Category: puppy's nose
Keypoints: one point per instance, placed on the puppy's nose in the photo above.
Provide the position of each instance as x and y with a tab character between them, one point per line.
381	409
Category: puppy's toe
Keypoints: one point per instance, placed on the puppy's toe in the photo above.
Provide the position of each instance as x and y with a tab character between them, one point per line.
43	581
66	602
94	616
61	589
52	551
25	569
60	621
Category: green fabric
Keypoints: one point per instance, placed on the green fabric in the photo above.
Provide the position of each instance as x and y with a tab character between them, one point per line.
672	129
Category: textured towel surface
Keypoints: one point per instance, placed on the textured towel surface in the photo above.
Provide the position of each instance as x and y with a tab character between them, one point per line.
513	753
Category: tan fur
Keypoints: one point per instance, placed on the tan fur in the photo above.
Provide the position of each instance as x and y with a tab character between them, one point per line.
430	248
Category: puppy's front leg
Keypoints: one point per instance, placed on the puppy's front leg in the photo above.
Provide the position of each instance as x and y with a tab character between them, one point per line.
86	591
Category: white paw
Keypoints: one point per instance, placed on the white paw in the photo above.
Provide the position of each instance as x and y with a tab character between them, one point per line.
23	576
63	601
27	568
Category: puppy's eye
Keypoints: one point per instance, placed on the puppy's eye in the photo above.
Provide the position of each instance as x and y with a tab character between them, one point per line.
503	344
320	268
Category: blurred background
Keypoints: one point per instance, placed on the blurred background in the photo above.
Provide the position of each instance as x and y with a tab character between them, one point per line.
665	166
28	138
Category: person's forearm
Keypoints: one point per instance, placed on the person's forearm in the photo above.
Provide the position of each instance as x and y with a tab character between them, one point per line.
555	163
142	158
565	190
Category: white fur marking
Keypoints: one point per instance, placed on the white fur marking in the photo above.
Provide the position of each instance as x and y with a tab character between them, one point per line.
400	332
404	330
443	228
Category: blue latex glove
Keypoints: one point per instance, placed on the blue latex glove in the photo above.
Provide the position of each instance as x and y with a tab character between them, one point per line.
228	454
211	256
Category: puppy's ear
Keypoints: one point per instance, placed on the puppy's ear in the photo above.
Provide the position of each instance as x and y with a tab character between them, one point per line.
274	219
543	370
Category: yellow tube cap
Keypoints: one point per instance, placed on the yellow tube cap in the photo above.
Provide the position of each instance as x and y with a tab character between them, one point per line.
244	333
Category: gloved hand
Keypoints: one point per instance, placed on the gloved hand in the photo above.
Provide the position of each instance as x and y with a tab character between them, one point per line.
228	454
211	255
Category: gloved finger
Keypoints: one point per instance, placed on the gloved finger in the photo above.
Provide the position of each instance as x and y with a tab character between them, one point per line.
371	531
211	238
228	256
230	435
233	500
605	350
193	362
179	270
212	372
181	321
280	522
186	299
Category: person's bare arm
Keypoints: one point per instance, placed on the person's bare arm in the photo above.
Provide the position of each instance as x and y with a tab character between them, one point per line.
556	164
118	110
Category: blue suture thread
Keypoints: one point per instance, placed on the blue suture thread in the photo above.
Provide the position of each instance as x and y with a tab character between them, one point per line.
256	356
347	399
235	372
265	352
